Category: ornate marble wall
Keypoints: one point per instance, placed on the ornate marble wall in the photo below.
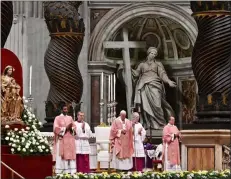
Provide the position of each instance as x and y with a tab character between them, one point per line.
29	38
173	21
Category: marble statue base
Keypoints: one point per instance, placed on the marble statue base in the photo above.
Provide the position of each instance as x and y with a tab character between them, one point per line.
155	136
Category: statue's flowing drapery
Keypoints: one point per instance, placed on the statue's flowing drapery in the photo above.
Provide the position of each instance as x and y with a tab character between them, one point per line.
149	94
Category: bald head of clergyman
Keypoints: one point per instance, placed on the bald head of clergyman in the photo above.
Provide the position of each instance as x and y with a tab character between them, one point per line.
123	115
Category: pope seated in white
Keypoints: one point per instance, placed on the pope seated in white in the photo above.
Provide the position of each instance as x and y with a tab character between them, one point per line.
82	144
139	136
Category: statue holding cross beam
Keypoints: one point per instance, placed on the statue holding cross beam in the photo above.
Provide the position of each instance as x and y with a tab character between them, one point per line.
149	93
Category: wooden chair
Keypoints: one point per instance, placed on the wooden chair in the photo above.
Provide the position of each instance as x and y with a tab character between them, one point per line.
155	164
109	169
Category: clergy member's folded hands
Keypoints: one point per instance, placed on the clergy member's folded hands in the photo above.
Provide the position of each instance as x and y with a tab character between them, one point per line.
178	135
123	131
69	126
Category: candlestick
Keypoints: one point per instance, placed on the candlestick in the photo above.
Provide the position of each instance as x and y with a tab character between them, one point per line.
101	111
30	79
109	86
30	100
114	86
109	113
101	86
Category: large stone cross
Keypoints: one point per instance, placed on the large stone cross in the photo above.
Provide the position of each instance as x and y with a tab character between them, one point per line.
125	45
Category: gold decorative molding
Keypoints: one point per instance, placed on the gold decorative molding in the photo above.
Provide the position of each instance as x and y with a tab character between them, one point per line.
212	13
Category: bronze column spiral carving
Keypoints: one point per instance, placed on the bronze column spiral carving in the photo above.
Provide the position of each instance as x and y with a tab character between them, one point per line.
61	58
6	20
211	60
66	29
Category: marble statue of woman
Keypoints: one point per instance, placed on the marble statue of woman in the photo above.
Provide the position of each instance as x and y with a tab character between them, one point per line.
149	93
11	102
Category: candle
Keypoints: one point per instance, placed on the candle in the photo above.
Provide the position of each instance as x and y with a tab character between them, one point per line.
109	86
114	86
101	85
30	79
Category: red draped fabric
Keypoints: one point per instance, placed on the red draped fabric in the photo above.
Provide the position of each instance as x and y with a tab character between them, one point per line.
82	163
36	167
138	163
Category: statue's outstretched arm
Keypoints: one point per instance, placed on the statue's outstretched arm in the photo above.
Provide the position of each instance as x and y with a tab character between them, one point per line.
163	75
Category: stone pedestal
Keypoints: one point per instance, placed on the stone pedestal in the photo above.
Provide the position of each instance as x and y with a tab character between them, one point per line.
202	149
154	136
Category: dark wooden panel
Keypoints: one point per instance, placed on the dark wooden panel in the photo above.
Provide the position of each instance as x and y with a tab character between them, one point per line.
201	158
95	100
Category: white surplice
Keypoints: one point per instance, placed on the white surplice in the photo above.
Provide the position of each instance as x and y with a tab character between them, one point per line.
64	166
138	141
81	142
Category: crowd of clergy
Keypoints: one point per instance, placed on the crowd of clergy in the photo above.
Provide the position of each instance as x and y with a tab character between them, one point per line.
72	148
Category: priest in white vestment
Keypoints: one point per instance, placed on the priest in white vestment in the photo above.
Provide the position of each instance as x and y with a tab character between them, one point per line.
139	136
82	144
121	143
64	143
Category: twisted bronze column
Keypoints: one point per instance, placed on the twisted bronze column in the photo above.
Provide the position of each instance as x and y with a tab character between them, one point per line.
211	61
6	20
66	29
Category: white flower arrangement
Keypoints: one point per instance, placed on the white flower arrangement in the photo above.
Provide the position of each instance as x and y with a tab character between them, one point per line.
29	118
28	141
147	175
